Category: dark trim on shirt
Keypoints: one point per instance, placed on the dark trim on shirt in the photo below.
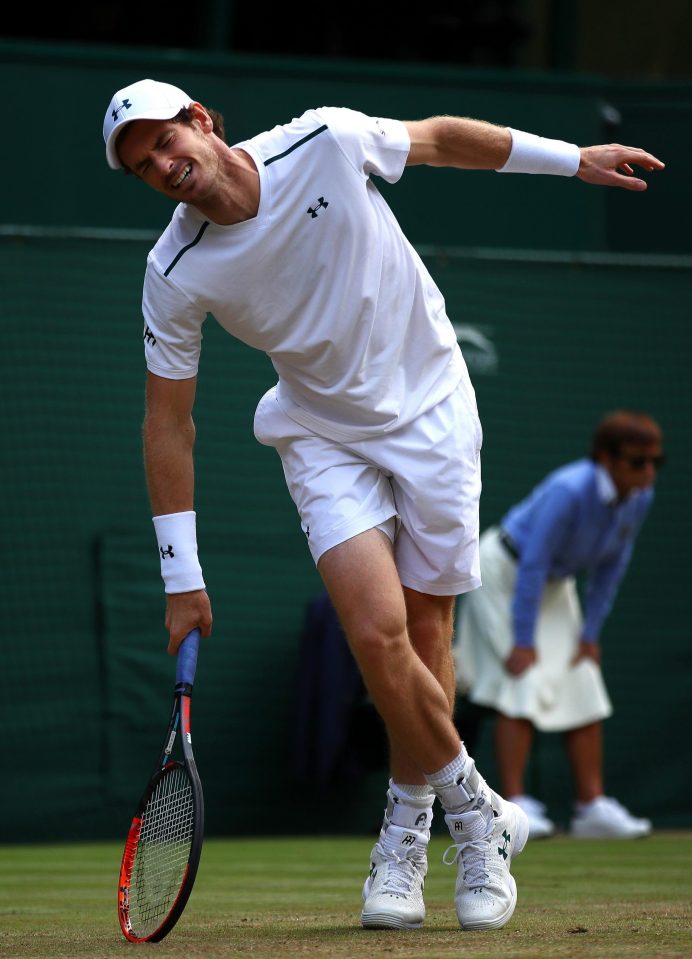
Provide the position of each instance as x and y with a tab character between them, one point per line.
188	247
299	143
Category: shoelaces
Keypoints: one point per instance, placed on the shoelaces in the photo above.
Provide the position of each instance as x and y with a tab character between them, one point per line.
401	872
473	855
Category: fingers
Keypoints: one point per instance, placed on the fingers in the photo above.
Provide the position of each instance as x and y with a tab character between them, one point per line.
614	165
174	645
587	650
643	159
519	660
185	611
629	183
624	156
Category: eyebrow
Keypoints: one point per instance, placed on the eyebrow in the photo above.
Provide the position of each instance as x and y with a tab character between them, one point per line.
158	142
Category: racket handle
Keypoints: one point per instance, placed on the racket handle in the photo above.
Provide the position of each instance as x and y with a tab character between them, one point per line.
187	658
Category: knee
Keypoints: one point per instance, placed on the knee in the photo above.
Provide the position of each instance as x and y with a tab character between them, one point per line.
378	639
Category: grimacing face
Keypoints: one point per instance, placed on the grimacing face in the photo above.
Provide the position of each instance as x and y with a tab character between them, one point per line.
177	159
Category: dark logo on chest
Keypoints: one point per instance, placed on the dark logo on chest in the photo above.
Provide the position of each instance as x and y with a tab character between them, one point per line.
319	204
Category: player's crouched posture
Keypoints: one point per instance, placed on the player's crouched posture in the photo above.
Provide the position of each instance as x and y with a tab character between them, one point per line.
285	239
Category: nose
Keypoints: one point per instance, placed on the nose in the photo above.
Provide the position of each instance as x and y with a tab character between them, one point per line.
650	472
160	164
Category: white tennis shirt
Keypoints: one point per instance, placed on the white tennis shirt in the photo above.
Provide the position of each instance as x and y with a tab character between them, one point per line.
323	280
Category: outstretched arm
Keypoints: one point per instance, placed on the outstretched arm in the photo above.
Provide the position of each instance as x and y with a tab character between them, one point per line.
471	144
458	142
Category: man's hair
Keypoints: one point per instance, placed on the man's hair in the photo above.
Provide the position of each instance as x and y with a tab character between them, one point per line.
621	428
186	116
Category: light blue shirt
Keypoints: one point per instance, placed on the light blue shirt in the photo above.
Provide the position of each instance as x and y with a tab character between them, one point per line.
572	523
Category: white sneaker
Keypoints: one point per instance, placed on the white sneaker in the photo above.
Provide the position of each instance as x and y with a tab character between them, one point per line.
486	893
540	827
606	818
393	892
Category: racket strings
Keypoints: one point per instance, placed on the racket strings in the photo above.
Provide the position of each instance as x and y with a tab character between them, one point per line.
162	852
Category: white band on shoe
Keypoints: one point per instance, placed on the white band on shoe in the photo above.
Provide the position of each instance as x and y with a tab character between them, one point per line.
534	154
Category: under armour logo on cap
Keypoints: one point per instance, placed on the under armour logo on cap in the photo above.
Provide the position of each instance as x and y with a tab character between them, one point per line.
125	105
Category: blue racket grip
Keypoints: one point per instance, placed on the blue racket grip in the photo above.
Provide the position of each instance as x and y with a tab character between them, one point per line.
187	658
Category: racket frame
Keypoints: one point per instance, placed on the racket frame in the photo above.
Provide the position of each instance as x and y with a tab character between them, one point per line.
179	727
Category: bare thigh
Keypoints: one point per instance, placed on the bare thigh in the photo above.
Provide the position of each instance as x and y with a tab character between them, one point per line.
363	583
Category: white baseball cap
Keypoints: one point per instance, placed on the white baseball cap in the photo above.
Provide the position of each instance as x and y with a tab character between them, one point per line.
144	100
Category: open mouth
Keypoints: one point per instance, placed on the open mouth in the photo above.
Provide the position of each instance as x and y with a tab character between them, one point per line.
183	176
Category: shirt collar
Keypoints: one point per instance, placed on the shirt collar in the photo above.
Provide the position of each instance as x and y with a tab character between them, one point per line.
604	485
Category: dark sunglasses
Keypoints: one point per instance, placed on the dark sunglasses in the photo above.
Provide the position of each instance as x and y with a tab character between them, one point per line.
639	462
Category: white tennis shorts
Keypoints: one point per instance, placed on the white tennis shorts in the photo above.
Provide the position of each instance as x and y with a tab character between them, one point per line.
421	484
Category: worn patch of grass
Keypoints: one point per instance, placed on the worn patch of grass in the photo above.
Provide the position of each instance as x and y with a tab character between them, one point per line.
270	898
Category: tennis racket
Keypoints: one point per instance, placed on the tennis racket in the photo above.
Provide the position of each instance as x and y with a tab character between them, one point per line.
164	843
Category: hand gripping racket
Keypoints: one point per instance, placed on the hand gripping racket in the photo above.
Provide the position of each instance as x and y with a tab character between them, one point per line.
164	843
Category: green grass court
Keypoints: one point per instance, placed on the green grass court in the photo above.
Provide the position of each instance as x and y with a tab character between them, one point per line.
271	898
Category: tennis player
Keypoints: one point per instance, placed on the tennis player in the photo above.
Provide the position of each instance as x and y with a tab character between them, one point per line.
286	240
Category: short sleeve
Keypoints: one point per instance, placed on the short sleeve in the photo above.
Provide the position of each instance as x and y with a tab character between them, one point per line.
374	145
172	328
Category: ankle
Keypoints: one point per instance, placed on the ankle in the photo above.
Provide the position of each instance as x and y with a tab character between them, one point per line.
460	787
584	805
410	807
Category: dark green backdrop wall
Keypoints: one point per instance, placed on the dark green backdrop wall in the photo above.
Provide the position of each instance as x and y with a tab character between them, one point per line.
553	340
58	173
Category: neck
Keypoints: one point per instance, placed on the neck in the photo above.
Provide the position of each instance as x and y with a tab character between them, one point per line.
236	193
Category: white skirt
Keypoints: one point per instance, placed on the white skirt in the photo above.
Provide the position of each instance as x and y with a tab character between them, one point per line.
553	694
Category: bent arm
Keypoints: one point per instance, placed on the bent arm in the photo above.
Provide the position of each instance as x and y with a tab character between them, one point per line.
601	590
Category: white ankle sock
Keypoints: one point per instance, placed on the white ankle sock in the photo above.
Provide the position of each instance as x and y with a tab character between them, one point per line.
451	772
458	785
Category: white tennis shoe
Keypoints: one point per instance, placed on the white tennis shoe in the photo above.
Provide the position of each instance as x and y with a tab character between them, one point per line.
393	892
486	893
606	818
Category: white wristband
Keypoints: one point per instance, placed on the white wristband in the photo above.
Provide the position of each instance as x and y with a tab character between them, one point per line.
177	540
534	154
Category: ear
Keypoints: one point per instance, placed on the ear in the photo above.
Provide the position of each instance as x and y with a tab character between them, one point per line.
606	460
202	117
